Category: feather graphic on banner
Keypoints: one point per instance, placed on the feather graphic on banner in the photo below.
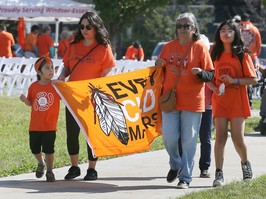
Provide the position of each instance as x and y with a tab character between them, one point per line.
110	114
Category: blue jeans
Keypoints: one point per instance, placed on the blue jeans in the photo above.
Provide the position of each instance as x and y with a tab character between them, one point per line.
205	140
186	125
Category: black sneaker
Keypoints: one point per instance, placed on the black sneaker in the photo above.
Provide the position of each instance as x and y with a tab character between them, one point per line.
205	174
182	185
50	177
172	175
263	126
73	172
91	175
257	128
40	170
247	171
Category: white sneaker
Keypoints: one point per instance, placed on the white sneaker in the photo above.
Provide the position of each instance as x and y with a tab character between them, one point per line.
219	179
182	185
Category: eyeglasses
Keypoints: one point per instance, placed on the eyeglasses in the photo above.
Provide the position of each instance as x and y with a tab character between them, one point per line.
82	26
185	26
229	32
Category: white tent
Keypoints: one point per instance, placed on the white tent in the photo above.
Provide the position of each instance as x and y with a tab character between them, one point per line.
44	10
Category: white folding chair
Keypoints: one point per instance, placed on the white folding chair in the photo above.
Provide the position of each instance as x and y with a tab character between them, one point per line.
24	78
123	66
58	66
10	67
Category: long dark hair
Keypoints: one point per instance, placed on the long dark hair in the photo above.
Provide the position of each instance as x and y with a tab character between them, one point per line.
95	21
237	44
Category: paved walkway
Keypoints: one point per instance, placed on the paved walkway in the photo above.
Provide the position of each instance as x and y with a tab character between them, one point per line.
136	176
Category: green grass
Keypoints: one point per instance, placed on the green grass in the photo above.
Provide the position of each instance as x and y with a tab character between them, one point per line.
256	104
254	189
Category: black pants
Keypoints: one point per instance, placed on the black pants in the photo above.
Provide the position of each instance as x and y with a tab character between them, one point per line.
205	140
73	130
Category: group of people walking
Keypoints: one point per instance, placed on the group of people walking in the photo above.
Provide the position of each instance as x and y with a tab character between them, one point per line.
226	76
205	80
37	43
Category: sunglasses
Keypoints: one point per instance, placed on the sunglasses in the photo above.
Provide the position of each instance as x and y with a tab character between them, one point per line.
82	26
185	26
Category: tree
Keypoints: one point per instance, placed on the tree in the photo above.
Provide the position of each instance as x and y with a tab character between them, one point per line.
159	24
118	15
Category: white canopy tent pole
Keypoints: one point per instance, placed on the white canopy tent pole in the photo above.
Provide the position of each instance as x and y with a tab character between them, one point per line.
56	36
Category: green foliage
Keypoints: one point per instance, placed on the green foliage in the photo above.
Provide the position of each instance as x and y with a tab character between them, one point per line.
159	24
119	15
123	13
254	189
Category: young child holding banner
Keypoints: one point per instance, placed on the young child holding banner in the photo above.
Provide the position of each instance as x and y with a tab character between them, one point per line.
45	103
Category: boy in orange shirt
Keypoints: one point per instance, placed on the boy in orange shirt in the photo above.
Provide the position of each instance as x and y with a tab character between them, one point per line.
135	52
44	102
45	43
252	42
6	42
30	42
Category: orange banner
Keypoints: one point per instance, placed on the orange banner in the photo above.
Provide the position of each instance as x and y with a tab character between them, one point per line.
118	114
21	32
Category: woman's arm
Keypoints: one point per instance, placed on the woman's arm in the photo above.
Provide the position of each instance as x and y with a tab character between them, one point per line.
64	74
204	75
239	81
106	71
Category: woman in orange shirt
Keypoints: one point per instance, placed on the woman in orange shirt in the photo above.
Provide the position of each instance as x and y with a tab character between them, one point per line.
88	56
180	56
232	106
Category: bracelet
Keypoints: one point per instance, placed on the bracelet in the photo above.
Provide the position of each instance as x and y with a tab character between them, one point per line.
238	81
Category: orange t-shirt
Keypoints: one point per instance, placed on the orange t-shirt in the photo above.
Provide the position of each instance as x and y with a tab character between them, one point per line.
251	38
45	107
30	41
190	89
134	53
92	65
62	47
234	102
44	42
6	41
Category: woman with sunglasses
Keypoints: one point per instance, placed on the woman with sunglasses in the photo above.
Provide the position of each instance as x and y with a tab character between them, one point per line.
180	127
233	106
88	56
